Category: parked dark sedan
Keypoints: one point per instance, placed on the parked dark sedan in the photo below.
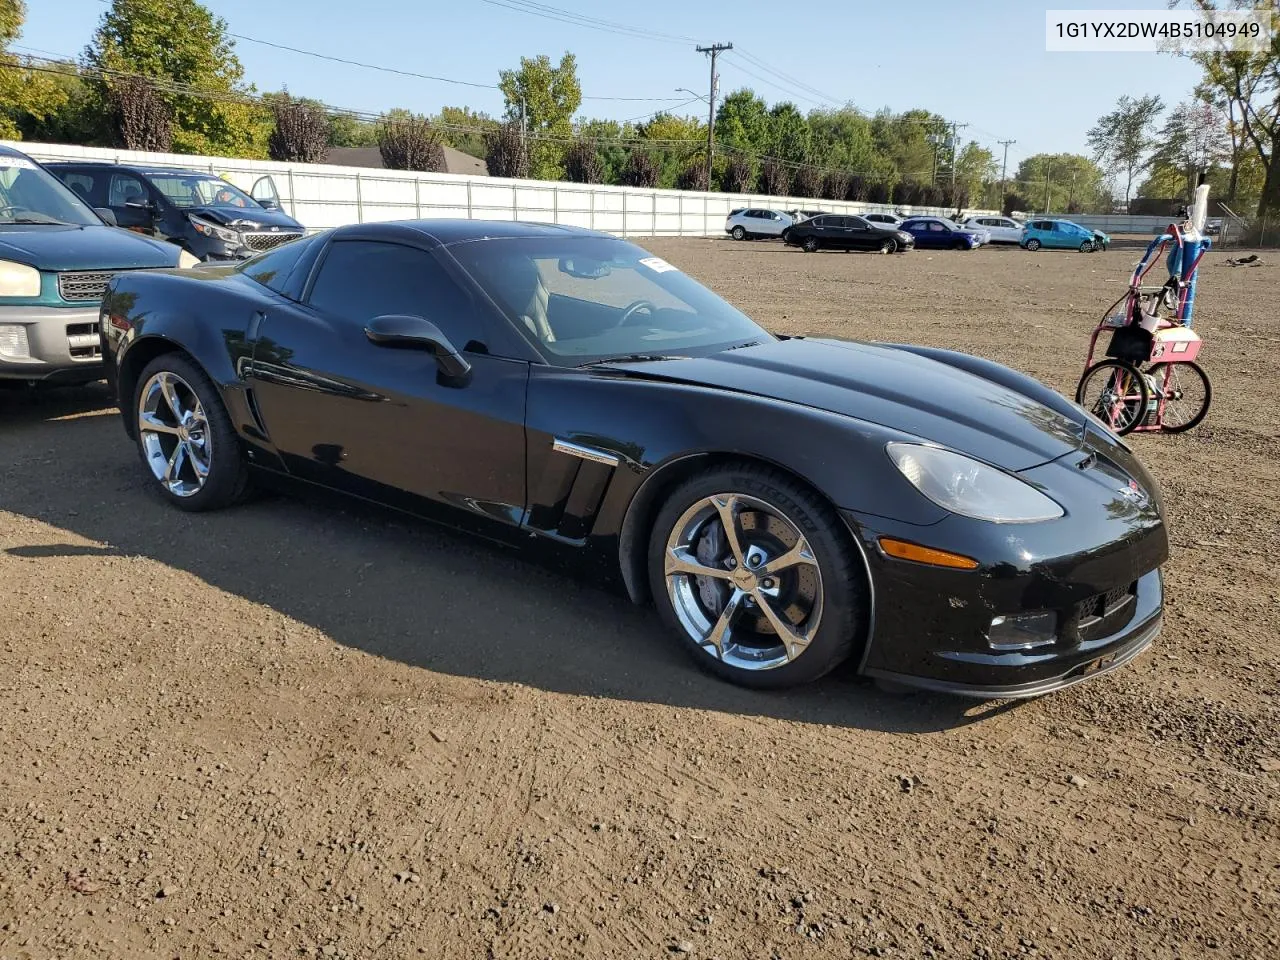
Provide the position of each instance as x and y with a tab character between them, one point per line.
937	233
787	503
834	232
207	216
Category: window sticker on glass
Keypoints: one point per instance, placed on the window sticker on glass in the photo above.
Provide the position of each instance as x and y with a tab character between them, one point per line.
22	163
657	264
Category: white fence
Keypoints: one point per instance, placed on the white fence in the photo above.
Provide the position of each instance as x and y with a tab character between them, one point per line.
321	195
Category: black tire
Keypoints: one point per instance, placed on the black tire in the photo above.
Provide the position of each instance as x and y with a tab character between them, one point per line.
1033	245
960	245
1134	411
811	245
786	236
227	481
1086	247
842	575
739	233
889	246
1156	373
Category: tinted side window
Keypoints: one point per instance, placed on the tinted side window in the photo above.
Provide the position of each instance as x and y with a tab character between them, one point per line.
82	183
273	269
936	227
125	188
363	279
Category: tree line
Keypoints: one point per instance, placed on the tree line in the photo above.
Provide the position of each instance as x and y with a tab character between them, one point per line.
163	75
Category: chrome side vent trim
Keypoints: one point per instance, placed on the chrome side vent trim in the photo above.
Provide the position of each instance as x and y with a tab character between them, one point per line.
584	453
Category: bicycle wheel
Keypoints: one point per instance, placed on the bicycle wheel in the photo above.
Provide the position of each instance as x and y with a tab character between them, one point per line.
1186	394
1116	393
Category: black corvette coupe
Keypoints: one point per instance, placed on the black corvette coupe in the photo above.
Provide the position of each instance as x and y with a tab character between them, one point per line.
787	503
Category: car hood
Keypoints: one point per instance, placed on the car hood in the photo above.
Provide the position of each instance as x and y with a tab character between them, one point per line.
894	388
246	217
67	247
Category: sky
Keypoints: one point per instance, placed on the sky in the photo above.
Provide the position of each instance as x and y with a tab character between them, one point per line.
977	62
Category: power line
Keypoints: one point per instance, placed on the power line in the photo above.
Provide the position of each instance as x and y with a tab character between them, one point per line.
784	76
582	20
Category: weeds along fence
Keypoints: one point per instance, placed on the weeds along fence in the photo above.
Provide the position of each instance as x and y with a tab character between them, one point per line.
321	195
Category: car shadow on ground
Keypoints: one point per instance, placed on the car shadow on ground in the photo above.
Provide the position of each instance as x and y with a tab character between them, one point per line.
404	589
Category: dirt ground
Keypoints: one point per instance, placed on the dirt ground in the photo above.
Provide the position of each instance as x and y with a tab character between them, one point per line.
293	730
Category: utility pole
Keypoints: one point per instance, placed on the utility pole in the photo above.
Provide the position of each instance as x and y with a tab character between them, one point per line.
954	127
1047	169
1004	168
713	50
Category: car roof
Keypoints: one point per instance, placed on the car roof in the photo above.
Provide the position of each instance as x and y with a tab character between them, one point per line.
10	152
446	230
142	169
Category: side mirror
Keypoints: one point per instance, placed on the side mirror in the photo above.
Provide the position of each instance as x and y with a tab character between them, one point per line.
398	330
269	203
107	214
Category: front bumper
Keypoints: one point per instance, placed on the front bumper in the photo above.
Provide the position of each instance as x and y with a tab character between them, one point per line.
64	343
1094	575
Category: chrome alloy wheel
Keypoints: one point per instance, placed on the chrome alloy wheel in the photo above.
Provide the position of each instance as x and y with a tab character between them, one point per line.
175	434
743	582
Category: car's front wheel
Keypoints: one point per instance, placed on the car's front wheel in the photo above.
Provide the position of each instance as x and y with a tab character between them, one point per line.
889	246
1086	247
185	438
756	577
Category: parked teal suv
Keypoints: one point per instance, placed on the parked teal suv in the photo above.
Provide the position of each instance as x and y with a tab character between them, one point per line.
56	256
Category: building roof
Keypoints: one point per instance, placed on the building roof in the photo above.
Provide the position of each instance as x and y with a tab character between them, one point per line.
455	161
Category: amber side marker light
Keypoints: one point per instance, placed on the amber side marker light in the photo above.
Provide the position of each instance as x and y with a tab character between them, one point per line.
938	558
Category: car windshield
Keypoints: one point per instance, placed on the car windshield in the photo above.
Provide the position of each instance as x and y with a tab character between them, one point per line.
31	195
195	190
587	299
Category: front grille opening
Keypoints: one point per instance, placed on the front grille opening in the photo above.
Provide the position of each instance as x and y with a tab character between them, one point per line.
83	341
1106	613
266	241
78	287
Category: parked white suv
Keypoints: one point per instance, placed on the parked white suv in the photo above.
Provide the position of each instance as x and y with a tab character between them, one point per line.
1000	229
888	219
751	222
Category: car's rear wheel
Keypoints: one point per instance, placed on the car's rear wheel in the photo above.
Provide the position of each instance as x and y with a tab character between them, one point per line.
1086	247
811	244
185	438
889	246
1033	245
752	572
739	233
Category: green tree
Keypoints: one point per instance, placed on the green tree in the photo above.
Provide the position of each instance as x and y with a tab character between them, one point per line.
742	122
841	140
25	94
185	50
976	170
1060	182
1249	83
1122	138
789	135
545	98
914	144
347	131
75	120
605	135
465	130
1193	140
682	139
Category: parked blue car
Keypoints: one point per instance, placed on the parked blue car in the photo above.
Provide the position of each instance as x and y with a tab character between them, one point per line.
937	233
1062	235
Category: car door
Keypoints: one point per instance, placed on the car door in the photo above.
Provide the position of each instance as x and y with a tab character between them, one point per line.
380	421
920	230
130	198
858	235
264	191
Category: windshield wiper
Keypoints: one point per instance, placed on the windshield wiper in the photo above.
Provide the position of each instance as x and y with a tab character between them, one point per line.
634	358
52	221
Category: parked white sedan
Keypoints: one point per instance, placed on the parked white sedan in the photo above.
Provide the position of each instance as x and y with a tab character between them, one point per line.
752	222
998	229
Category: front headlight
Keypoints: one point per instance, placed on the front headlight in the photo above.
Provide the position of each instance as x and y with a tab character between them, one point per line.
18	280
186	260
971	488
209	229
